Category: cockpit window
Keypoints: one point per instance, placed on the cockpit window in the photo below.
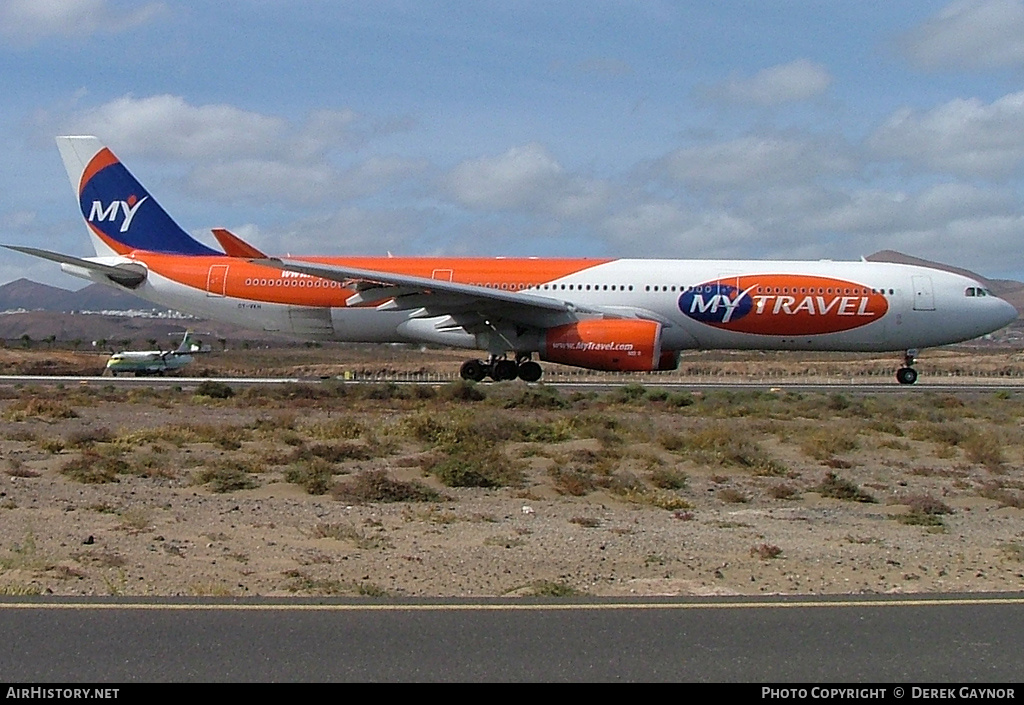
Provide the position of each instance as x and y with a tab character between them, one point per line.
977	291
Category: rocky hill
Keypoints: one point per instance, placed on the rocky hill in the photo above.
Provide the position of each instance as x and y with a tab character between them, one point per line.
32	296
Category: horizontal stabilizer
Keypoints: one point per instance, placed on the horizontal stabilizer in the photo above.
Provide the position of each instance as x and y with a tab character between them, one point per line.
235	246
128	275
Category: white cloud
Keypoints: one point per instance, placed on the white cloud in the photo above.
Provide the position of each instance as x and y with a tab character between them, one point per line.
964	136
972	34
785	83
526	177
234	154
167	125
354	230
754	161
262	178
666	229
520	176
303	183
24	22
880	212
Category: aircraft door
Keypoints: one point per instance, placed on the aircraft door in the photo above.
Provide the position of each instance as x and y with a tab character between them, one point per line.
217	280
924	295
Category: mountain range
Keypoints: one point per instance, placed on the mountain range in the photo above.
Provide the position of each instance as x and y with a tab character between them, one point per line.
32	296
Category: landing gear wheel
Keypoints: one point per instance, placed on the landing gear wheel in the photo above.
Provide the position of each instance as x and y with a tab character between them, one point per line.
502	370
530	371
906	375
473	370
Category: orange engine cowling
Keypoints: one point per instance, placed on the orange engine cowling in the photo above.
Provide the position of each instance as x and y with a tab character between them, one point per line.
615	344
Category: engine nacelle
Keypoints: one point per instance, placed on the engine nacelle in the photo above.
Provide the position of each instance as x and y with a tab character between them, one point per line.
614	344
668	361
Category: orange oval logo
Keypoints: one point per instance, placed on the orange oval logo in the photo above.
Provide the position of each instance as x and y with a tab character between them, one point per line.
783	304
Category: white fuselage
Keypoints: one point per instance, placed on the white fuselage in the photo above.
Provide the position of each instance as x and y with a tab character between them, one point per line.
922	307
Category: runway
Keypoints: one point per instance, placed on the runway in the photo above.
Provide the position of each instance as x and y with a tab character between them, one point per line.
846	385
899	640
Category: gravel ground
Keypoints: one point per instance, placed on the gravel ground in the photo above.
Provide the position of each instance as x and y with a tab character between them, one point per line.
727	531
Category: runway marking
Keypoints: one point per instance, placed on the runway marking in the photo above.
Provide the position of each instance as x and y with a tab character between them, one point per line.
485	607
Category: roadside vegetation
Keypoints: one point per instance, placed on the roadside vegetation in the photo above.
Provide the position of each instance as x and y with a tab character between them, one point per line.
637	444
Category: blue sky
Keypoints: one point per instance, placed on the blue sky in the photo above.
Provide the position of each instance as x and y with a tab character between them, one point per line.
793	129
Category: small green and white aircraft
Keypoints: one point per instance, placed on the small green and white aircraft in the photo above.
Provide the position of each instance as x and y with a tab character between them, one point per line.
154	362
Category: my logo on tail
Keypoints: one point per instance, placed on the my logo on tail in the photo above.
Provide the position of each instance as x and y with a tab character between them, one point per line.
99	213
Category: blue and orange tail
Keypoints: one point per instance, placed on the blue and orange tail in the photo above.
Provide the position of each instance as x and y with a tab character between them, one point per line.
121	215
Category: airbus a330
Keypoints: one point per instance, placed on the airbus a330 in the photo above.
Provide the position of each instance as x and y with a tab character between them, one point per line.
632	315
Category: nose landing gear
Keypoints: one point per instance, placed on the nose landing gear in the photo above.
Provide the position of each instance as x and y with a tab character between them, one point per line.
501	369
907	374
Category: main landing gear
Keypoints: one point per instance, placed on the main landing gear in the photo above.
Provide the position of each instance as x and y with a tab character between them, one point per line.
500	369
907	374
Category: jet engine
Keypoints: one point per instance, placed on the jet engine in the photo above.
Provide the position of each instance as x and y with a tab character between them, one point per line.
614	344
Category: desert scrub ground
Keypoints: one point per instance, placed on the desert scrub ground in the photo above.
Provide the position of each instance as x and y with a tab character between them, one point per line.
506	489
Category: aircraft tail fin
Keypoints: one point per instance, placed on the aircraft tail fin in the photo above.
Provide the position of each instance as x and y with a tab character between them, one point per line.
186	343
120	214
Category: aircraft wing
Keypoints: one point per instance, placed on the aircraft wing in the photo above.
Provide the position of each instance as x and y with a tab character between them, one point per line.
129	275
467	304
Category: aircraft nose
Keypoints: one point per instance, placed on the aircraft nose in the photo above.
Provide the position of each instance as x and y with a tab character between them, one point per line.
1007	313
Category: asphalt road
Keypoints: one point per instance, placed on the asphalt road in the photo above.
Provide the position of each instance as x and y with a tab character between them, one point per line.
900	641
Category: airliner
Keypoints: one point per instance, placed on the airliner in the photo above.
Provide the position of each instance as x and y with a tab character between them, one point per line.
153	362
627	315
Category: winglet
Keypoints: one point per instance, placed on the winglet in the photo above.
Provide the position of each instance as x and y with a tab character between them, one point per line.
235	246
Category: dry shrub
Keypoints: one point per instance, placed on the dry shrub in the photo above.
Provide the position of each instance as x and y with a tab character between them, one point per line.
534	397
720	444
312	474
88	436
342	428
225	477
39	408
214	390
657	498
379	486
823	444
461	390
885	426
837	487
765	551
94	468
925	510
348	532
475	465
733	496
15	468
573	481
985	448
669	479
926	504
948	433
783	491
1006	498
